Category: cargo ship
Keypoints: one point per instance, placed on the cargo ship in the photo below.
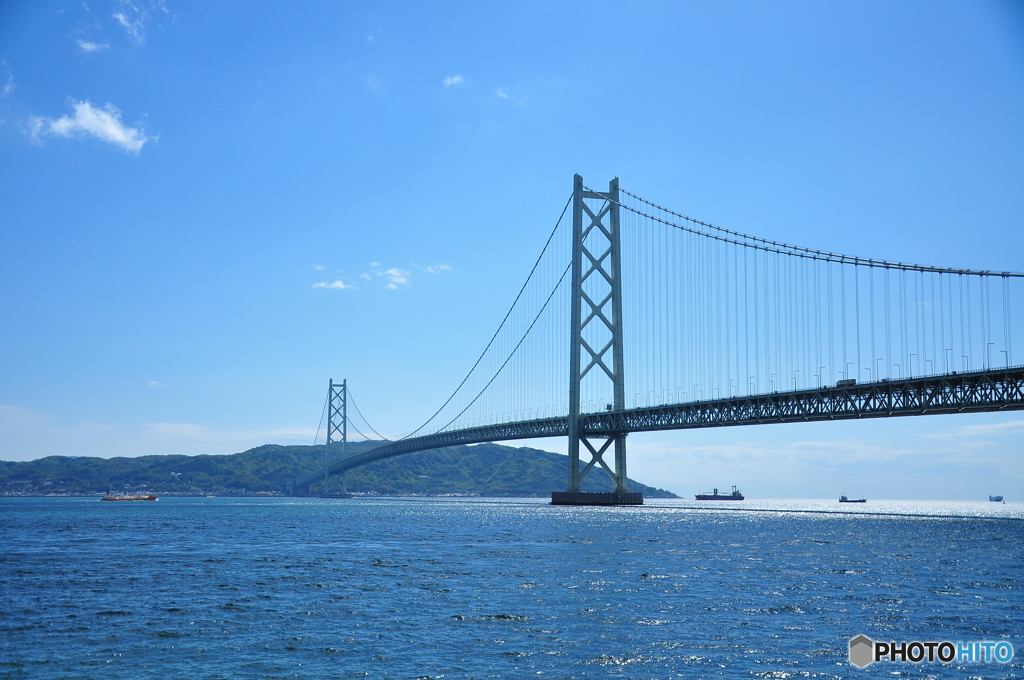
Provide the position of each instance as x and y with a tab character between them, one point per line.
844	499
995	499
715	496
129	497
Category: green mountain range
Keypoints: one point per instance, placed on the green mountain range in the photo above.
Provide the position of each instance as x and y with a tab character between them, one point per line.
483	469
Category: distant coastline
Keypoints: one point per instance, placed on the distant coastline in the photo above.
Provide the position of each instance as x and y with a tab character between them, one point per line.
488	470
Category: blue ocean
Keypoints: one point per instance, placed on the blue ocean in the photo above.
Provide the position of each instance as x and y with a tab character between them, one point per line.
500	588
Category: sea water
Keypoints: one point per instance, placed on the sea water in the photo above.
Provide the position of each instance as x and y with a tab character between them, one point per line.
489	588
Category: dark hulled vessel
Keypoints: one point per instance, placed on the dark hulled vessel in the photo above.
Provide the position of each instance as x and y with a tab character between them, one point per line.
715	496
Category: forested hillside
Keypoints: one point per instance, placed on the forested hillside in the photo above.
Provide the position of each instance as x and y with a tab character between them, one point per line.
484	469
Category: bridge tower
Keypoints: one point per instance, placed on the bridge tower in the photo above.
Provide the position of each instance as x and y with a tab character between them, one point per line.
337	424
596	332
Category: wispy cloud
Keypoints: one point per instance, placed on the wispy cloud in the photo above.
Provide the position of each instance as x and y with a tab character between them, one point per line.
453	80
102	123
340	285
436	269
9	85
503	93
28	435
984	430
317	267
134	26
156	383
132	18
133	15
91	47
396	277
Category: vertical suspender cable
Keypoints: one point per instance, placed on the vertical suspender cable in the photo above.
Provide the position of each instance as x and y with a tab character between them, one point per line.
856	284
736	291
842	294
970	328
942	323
831	338
1006	321
888	328
871	311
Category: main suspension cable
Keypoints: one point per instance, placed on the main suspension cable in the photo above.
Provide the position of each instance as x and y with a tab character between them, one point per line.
795	251
317	436
364	419
514	349
502	325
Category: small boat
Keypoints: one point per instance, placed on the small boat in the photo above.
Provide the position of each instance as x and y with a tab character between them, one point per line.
335	495
995	499
715	496
844	499
129	497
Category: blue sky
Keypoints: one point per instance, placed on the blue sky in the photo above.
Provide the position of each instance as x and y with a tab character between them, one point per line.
176	179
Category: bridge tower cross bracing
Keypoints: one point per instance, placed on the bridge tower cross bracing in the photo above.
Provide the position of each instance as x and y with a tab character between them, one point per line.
596	309
337	424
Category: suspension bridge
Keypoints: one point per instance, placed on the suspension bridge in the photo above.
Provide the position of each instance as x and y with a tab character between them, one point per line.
638	318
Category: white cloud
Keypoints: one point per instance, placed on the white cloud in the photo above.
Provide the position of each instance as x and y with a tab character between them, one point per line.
132	19
983	430
131	16
134	27
503	93
396	278
102	123
318	267
9	85
156	383
453	80
336	284
90	47
28	435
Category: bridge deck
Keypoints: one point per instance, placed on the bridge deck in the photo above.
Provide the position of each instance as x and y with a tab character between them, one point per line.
973	392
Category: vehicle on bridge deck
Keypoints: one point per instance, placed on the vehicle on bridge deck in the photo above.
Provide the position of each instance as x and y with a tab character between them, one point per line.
715	496
844	499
